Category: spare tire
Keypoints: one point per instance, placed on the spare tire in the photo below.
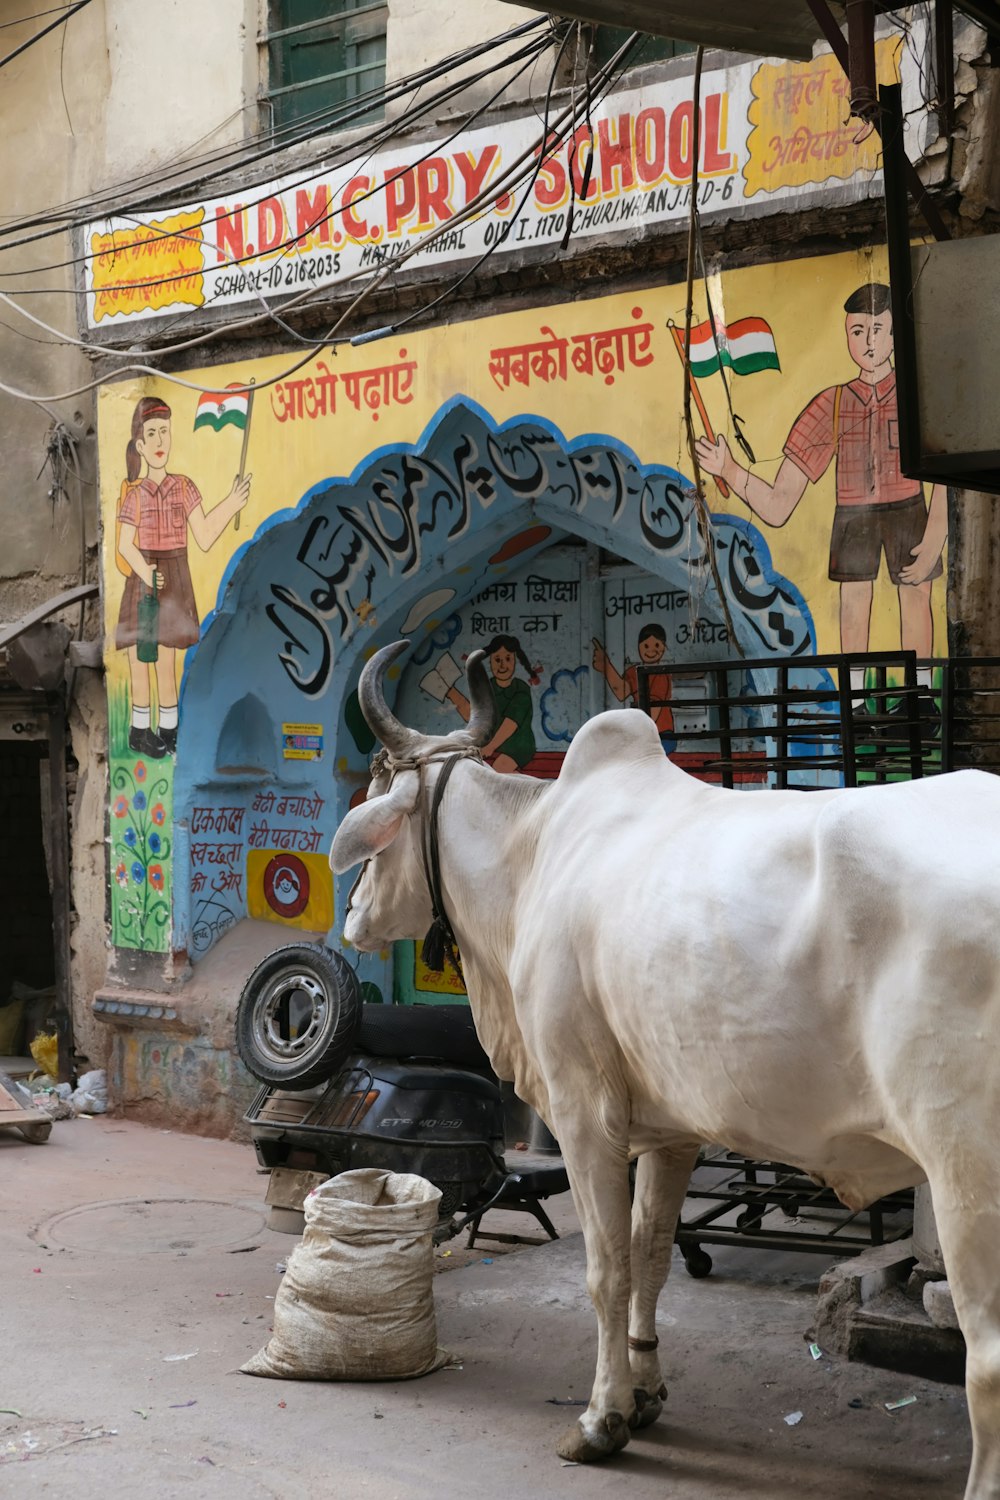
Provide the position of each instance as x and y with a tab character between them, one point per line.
298	1016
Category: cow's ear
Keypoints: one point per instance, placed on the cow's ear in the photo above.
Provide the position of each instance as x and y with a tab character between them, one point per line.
370	828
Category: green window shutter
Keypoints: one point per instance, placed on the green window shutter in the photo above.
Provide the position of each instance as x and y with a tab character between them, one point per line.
607	40
323	54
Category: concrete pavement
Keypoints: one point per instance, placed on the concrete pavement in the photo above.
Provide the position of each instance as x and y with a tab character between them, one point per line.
137	1275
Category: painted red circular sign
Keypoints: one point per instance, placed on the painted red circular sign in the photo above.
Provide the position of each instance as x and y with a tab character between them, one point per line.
286	885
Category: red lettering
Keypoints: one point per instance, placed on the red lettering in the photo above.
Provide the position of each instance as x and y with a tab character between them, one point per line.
550	184
579	149
650	145
229	240
475	173
312	211
615	156
716	157
679	142
400	198
355	228
270	225
433	185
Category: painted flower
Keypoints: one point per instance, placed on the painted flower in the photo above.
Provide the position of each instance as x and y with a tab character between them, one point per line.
155	843
130	837
140	771
138	872
120	807
121	874
159	814
139	801
156	877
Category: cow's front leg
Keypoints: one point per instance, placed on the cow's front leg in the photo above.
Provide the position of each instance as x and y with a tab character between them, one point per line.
661	1181
598	1171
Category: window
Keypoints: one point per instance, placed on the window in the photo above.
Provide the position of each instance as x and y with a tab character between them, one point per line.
322	54
607	40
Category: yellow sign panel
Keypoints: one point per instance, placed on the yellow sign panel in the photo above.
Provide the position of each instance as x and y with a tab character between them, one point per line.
803	131
153	266
294	889
429	981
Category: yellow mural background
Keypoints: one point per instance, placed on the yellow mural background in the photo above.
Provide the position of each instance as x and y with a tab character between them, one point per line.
801	300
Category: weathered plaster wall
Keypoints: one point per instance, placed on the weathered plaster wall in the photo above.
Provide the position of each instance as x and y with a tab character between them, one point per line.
183	81
421	32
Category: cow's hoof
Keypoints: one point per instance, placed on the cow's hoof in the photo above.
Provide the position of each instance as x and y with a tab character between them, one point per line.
647	1408
586	1446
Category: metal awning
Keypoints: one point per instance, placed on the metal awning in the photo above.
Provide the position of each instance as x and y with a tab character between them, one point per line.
766	28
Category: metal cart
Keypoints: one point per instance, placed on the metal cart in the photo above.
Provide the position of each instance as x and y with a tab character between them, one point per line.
798	724
777	1208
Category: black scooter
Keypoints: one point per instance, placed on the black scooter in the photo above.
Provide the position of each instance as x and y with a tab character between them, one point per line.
403	1088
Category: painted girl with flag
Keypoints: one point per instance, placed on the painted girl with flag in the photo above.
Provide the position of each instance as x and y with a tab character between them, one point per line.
158	614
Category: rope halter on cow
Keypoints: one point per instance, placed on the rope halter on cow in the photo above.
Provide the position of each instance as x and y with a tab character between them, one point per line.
440	942
408	750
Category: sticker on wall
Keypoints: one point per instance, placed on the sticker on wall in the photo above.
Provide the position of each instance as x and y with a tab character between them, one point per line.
302	741
292	888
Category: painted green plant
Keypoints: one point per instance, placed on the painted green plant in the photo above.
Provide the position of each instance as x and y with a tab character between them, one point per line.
140	854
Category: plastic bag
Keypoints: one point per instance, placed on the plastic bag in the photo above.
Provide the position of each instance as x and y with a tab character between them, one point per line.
45	1051
90	1097
356	1301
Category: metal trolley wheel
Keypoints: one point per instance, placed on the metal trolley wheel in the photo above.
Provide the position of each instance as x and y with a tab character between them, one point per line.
297	1016
697	1262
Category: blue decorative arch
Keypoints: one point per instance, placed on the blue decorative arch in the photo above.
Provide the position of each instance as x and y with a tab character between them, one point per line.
320	586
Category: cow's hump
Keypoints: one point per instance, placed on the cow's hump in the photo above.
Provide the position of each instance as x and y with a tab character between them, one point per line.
609	739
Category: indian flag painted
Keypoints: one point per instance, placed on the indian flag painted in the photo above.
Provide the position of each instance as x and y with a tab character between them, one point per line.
218	409
746	346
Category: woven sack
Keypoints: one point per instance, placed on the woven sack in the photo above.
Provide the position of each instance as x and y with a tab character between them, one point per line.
356	1300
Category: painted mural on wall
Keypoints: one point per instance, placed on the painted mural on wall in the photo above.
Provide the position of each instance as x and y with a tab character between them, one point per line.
456	489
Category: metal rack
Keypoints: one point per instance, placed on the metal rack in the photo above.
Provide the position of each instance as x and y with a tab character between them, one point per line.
778	1208
798	723
781	723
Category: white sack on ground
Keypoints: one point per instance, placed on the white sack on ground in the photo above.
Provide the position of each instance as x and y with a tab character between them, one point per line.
356	1301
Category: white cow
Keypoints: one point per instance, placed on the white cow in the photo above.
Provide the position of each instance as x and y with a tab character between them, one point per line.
807	978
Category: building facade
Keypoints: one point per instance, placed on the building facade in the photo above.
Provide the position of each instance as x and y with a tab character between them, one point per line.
388	320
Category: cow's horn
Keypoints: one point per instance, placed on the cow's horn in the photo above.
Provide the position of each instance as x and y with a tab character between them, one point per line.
377	715
482	716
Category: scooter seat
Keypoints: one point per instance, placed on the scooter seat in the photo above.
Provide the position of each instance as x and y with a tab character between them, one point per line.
442	1033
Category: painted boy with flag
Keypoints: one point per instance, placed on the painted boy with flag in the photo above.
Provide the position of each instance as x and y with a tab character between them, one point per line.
158	615
879	510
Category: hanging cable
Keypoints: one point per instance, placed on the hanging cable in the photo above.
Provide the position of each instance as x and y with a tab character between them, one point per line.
526	57
509	181
60	219
80	5
701	505
498	190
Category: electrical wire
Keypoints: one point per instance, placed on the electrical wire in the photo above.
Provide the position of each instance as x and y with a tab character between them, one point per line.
60	218
500	189
338	117
38	16
212	334
389	133
80	5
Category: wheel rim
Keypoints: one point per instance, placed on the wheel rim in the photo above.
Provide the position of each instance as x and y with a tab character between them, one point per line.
292	1018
